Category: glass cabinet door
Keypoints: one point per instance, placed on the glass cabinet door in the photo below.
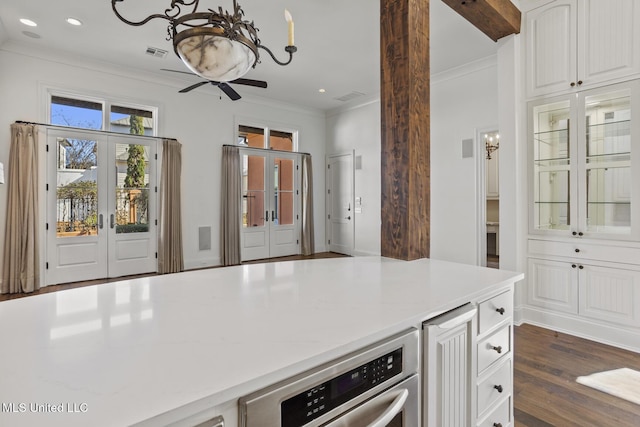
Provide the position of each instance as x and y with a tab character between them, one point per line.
552	175
607	165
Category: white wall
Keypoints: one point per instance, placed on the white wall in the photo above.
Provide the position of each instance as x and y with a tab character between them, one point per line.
463	101
358	128
199	120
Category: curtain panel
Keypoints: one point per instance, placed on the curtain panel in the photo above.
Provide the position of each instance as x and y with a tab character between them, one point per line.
170	254
231	206
308	241
21	269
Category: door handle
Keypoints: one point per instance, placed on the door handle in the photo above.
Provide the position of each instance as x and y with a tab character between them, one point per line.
349	218
112	221
266	216
100	221
273	216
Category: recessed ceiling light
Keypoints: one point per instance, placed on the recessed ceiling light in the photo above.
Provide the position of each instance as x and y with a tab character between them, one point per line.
74	21
28	22
321	90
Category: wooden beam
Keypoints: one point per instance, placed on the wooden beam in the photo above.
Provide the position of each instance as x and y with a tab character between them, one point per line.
495	18
404	98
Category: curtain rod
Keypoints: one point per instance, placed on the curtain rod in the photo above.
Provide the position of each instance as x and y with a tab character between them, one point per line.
270	150
22	122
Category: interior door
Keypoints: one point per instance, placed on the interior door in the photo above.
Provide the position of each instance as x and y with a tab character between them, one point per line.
340	203
100	220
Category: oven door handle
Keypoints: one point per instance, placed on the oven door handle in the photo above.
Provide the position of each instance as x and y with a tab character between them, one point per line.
394	409
368	410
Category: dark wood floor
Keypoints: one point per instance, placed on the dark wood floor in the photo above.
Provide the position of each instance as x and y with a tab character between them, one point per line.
545	369
545	389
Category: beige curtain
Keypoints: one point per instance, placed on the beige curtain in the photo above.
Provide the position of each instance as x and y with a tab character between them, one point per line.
21	269
308	244
170	257
231	205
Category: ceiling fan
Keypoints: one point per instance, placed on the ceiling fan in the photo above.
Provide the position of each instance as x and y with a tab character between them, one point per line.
224	86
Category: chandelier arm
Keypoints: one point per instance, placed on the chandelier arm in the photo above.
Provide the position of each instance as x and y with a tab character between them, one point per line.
290	49
136	24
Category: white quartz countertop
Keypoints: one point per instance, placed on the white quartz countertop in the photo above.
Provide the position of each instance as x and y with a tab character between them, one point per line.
166	346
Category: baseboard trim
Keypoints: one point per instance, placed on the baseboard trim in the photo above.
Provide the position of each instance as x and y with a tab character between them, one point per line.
615	335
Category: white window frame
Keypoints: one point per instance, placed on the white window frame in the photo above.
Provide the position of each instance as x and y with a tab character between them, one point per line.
267	126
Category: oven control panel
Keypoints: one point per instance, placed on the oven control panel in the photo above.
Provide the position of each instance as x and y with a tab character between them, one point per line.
304	407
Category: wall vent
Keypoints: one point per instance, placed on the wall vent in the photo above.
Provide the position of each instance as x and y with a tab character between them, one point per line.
154	51
350	96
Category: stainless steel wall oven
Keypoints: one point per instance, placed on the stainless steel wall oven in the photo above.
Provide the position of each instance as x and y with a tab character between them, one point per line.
377	386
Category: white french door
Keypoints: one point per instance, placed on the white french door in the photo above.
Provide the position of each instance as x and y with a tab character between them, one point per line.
101	205
270	204
340	203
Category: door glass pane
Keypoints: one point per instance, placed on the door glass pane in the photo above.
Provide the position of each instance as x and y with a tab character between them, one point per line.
132	188
282	141
552	186
76	188
608	163
251	137
283	190
131	120
253	191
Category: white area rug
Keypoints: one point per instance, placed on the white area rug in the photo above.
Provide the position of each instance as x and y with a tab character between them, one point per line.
623	383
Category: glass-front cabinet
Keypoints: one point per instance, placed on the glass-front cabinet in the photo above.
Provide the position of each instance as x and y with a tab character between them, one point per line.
583	181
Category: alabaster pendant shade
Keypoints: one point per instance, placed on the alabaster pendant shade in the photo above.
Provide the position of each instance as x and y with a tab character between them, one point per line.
215	57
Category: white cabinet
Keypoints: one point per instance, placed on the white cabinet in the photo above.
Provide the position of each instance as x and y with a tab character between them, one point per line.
581	164
494	365
572	44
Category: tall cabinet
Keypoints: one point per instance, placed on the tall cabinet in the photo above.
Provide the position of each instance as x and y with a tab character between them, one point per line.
583	169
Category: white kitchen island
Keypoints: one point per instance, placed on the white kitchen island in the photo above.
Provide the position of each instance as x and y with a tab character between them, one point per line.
158	350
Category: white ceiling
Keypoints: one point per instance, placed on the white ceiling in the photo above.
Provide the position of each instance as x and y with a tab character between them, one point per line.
337	40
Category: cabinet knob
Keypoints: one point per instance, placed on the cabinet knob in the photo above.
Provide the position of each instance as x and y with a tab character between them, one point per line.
573	266
579	82
498	349
581	234
497	424
577	250
498	387
575	233
500	310
581	267
572	85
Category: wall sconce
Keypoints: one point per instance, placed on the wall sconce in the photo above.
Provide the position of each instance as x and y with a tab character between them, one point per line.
491	143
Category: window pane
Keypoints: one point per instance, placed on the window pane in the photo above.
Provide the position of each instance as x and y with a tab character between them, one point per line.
76	113
132	191
131	120
250	136
282	141
77	188
283	191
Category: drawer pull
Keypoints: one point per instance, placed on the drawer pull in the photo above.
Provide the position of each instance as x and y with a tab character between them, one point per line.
497	424
498	387
577	250
500	310
498	349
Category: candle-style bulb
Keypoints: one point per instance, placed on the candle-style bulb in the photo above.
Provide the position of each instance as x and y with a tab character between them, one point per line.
289	19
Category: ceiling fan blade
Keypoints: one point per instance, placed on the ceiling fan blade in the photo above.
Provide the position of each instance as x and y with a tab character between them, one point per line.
229	91
176	71
192	87
250	82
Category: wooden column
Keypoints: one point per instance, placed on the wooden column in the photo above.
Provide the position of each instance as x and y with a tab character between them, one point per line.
404	98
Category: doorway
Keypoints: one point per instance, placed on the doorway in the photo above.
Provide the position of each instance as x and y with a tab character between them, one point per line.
270	204
101	206
489	197
340	203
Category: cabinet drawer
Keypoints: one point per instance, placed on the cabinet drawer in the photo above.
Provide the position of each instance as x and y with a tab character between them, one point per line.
494	387
494	347
586	251
494	311
500	417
